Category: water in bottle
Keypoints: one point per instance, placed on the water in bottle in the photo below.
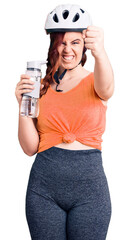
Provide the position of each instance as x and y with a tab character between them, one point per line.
30	101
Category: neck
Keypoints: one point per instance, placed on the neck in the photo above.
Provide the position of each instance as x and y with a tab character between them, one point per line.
70	73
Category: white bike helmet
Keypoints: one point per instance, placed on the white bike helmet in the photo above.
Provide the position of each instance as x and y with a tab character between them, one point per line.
67	18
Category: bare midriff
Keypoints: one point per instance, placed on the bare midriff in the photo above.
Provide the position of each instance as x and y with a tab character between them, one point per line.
74	146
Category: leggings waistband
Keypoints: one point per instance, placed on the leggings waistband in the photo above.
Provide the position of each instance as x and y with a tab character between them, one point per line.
63	150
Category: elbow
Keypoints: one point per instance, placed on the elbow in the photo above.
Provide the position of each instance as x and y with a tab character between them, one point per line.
33	150
29	150
107	93
30	153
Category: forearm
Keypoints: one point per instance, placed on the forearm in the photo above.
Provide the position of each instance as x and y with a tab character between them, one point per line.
28	135
104	77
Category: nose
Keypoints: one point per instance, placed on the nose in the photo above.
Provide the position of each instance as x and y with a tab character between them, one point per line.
67	48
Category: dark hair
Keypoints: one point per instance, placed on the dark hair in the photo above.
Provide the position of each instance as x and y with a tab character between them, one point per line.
53	60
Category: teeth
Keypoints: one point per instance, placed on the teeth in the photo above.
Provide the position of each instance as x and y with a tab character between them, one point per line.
68	57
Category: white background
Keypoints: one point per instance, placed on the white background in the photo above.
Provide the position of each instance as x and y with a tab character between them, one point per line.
22	39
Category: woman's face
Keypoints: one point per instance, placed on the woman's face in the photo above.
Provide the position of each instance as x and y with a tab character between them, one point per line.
71	49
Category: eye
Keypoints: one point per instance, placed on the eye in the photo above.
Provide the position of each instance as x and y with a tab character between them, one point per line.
75	42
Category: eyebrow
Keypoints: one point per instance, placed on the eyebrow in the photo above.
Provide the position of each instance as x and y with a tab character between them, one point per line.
76	40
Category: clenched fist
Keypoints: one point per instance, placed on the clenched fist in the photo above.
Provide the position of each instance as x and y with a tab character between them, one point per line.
94	40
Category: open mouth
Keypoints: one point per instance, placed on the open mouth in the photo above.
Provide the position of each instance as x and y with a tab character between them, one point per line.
67	57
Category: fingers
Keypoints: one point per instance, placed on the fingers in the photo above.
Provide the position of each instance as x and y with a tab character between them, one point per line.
23	86
93	39
24	76
92	31
25	81
93	28
27	86
89	40
89	34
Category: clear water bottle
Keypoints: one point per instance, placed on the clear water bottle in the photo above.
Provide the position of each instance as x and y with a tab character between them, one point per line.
30	101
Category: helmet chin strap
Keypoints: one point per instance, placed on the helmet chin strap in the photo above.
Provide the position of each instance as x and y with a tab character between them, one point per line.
61	77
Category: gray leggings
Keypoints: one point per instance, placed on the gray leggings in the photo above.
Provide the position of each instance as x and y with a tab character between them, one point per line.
67	196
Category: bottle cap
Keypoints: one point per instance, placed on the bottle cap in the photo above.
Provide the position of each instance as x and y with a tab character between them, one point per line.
35	64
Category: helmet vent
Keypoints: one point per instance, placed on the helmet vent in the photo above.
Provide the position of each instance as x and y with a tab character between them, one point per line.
82	10
65	14
55	18
76	17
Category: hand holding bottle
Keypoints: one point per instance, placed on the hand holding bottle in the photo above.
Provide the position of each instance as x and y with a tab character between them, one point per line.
25	85
28	89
